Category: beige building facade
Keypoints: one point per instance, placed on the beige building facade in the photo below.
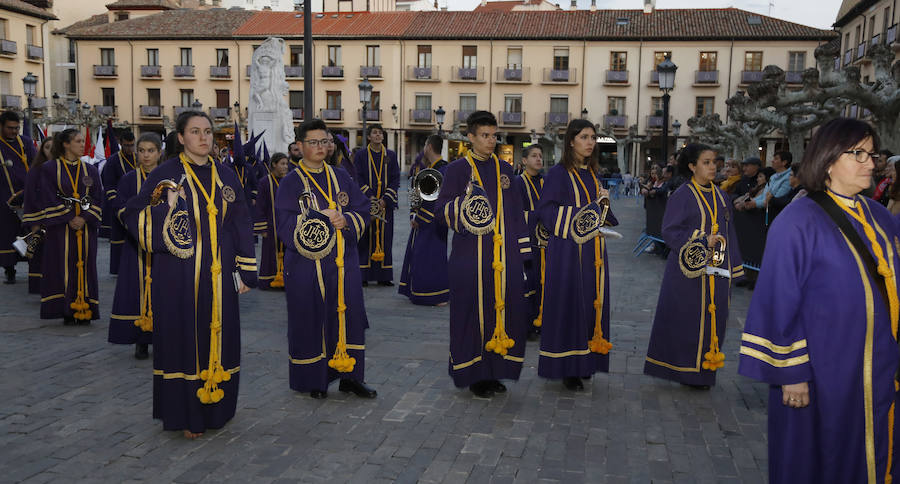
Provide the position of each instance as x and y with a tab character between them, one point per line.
24	36
862	24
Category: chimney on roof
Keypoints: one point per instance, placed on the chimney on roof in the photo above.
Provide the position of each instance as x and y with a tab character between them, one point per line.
483	3
649	6
593	5
573	5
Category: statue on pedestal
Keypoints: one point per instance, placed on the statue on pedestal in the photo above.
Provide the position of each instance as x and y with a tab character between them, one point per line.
269	112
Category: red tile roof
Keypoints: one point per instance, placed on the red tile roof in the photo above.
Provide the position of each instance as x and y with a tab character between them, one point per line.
171	24
99	19
504	5
19	6
142	5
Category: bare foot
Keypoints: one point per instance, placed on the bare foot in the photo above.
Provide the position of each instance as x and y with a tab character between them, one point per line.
190	435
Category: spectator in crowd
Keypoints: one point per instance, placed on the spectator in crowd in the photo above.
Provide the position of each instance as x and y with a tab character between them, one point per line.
777	204
720	170
750	168
650	181
762	179
777	184
894	193
883	176
627	182
731	174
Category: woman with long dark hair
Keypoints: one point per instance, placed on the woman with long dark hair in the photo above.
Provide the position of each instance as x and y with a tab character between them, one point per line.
822	325
575	334
131	321
31	217
199	230
69	207
693	301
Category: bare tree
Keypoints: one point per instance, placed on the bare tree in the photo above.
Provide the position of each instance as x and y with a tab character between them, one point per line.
740	138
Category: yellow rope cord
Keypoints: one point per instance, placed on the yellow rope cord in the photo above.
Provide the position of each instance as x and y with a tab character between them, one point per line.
145	321
597	343
278	281
500	342
714	358
539	320
214	373
341	361
20	152
378	254
81	307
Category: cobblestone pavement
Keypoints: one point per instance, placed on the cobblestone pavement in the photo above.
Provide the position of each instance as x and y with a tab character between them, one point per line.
75	408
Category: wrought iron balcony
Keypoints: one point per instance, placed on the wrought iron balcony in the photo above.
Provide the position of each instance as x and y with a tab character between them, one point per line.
294	72
151	111
332	114
151	71
10	101
369	71
105	71
332	71
461	115
615	121
421	116
748	77
618	77
106	110
560	75
183	71
512	118
793	77
220	113
371	114
557	119
467	74
706	77
414	73
34	52
297	113
8	47
516	74
220	72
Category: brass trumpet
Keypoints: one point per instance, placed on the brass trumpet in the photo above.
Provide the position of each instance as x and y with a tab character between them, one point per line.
162	189
603	203
425	187
717	257
27	244
307	202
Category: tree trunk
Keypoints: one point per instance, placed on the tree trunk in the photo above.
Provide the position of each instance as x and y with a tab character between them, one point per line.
887	129
796	140
620	155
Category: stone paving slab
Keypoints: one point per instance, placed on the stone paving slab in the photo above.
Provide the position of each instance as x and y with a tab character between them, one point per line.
75	408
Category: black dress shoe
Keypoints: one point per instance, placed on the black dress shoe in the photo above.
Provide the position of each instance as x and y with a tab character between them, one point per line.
386	283
573	383
10	275
318	394
141	352
365	283
534	334
482	389
83	322
497	387
68	320
360	389
696	387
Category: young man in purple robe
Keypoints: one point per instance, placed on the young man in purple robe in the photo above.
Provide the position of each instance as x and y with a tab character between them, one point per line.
131	321
423	278
201	236
32	216
378	175
530	184
271	263
115	168
693	301
321	213
16	154
488	320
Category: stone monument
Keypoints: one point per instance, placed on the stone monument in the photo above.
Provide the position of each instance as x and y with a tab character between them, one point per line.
269	112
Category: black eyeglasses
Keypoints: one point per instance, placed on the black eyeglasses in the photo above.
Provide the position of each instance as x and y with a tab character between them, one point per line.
863	156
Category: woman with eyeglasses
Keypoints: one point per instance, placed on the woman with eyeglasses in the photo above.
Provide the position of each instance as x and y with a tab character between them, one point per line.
822	325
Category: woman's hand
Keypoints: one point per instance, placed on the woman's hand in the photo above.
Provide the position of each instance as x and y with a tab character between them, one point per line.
172	196
711	240
795	395
76	223
336	218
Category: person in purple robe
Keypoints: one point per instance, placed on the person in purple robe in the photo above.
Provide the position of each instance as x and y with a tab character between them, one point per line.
116	167
16	154
295	151
32	215
271	262
247	173
338	155
530	184
131	321
575	333
692	309
423	278
321	214
199	232
378	175
488	320
822	324
70	212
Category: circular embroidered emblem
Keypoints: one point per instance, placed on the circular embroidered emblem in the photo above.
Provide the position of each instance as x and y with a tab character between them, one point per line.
314	234
228	194
477	214
504	181
88	181
587	222
542	235
692	258
343	199
376	210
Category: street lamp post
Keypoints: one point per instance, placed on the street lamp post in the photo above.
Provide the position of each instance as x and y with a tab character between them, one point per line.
666	73
29	82
365	96
439	114
584	113
197	105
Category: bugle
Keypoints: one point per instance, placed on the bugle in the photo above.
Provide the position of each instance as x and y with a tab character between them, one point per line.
162	188
27	244
425	187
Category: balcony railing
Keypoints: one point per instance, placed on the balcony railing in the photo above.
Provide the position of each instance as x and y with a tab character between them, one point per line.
332	71
421	116
617	77
371	114
467	74
706	77
295	72
848	57
514	74
560	75
793	77
183	71
105	71
837	63
34	52
7	47
615	121
748	77
151	71
297	113
876	39
860	50
512	118
10	101
891	36
369	71
220	72
853	111
332	114
151	111
462	115
414	73
656	122
557	119
106	110
220	113
180	109
38	102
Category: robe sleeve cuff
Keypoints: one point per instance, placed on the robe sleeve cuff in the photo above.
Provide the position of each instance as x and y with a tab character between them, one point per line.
563	221
391	195
356	223
776	364
260	227
451	215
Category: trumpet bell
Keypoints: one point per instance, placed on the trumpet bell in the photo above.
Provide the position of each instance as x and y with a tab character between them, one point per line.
428	184
156	197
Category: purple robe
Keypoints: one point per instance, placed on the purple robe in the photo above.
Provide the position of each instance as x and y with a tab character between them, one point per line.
681	330
423	278
311	286
31	217
115	168
472	302
818	317
181	326
58	287
570	283
247	174
134	266
264	225
378	178
531	196
15	158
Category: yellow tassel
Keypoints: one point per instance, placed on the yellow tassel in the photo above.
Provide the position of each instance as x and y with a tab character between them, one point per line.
713	359
598	344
